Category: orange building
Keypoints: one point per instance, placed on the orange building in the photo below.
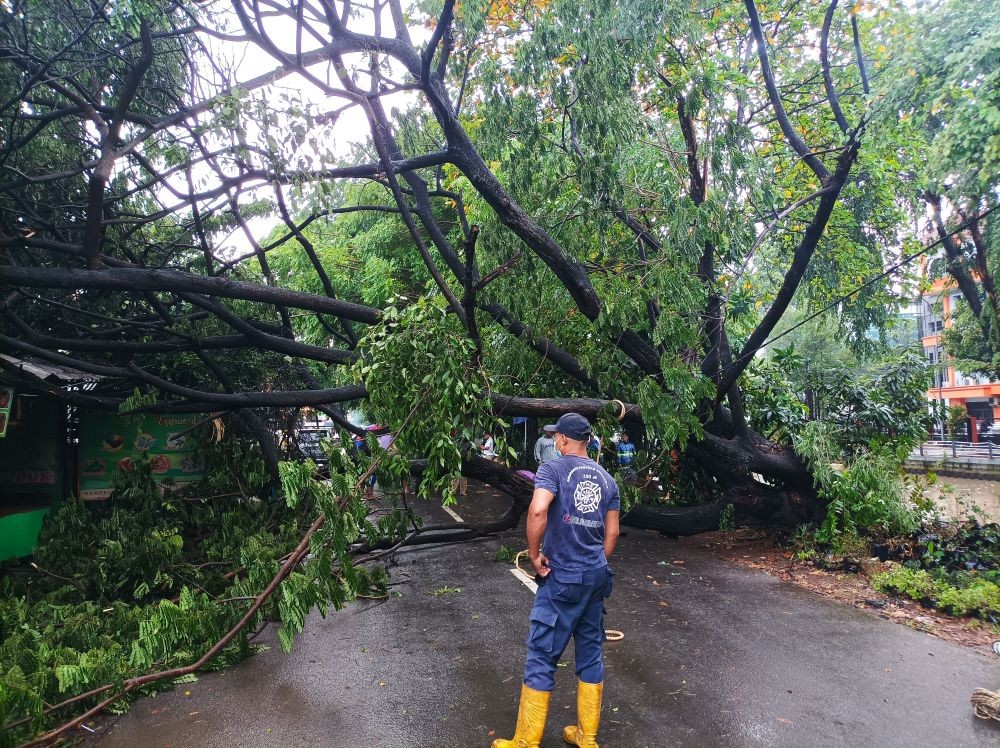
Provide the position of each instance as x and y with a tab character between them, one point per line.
980	395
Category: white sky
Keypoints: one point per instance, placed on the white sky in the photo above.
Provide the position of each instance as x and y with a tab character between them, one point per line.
250	61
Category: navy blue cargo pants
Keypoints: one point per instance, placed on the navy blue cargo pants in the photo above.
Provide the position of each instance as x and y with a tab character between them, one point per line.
567	604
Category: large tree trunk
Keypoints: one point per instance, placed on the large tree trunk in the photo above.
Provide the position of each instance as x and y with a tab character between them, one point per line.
760	478
755	504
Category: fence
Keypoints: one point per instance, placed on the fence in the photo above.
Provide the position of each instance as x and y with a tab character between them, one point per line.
959	450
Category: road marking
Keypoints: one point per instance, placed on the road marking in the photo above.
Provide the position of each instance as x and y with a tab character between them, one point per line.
527	581
452	513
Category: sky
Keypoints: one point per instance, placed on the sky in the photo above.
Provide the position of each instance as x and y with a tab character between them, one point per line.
249	61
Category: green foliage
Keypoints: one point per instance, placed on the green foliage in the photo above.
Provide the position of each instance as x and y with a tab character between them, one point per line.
137	400
147	581
419	370
972	352
803	543
958	594
969	545
945	77
687	481
670	412
505	554
233	465
726	518
629	494
445	591
867	495
772	404
955	417
885	409
916	584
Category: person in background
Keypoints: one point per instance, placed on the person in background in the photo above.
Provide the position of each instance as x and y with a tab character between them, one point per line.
489	448
572	530
362	450
594	448
545	447
385	440
625	455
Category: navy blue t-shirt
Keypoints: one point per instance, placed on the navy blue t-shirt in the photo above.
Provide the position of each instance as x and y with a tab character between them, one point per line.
584	492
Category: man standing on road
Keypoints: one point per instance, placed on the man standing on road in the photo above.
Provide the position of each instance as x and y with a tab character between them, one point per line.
545	447
575	507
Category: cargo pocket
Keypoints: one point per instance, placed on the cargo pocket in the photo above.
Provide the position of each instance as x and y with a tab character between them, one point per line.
541	630
567	586
610	584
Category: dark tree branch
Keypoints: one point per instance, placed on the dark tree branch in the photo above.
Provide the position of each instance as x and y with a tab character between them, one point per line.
800	261
129	279
505	405
956	260
542	345
277	343
793	138
380	127
498	272
102	172
440	30
467	158
469	300
982	265
824	58
131	347
641	351
859	56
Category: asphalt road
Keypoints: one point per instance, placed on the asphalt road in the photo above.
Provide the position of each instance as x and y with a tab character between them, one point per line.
713	655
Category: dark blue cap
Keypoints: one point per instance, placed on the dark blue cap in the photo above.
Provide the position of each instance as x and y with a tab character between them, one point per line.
573	426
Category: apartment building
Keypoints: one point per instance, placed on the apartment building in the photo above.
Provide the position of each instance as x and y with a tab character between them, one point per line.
980	395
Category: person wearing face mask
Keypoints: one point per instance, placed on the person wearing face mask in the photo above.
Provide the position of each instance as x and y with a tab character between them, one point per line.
572	529
545	446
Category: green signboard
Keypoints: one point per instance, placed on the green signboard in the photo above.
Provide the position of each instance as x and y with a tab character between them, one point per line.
110	442
19	533
31	469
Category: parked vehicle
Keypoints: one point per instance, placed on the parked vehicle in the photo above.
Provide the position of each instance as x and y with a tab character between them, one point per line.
310	443
991	433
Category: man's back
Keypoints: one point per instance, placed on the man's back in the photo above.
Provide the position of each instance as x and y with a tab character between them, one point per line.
584	492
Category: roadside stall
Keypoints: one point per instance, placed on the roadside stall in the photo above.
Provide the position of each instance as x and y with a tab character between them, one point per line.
34	454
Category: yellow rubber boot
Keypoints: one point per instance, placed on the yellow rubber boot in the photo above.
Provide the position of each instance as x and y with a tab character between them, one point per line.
588	716
530	720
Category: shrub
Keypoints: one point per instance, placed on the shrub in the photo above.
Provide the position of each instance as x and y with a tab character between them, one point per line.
981	597
958	593
867	496
139	584
901	580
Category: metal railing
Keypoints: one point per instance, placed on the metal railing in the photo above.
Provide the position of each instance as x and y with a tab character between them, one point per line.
984	450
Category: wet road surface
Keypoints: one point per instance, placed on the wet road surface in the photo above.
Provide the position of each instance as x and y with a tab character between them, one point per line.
713	655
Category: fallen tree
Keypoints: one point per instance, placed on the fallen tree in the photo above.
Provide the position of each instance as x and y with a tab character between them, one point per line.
641	236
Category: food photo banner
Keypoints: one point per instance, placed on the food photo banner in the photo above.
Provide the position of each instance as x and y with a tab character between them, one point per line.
110	442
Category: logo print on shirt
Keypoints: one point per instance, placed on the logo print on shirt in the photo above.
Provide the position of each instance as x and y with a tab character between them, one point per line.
587	496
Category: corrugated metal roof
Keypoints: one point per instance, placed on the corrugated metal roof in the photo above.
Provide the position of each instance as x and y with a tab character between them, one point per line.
45	370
